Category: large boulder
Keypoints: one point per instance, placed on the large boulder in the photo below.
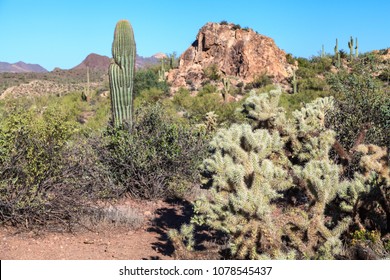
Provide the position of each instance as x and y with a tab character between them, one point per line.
240	54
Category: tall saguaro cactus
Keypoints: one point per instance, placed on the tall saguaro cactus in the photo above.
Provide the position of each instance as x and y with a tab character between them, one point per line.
121	75
337	54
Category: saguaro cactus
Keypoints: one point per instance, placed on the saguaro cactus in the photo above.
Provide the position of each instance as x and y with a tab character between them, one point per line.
356	48
121	75
294	82
337	54
350	46
161	72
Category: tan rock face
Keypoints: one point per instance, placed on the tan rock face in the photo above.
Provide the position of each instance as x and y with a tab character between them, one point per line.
238	53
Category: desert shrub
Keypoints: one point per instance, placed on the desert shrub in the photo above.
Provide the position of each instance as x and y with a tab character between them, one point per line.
149	96
43	182
273	186
259	81
207	89
207	100
290	59
211	72
236	26
385	75
158	159
321	64
292	102
146	79
314	83
361	106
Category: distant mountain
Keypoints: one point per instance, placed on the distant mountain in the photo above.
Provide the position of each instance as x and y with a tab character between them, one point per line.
101	62
142	62
21	67
94	61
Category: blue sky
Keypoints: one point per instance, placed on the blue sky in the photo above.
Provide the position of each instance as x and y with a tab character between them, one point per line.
61	33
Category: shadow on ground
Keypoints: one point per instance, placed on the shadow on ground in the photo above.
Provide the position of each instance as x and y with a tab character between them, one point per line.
169	218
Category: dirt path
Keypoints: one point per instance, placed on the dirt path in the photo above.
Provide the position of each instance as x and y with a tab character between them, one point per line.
148	242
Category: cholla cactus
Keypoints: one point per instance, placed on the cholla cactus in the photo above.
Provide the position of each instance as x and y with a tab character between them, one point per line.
252	169
211	122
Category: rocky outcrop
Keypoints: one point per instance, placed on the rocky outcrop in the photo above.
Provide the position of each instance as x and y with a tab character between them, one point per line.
240	54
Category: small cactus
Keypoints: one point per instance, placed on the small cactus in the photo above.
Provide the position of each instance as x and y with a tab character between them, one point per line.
338	63
226	88
161	72
294	82
350	46
356	48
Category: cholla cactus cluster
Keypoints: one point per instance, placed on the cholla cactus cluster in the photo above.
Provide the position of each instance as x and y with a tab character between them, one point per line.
255	167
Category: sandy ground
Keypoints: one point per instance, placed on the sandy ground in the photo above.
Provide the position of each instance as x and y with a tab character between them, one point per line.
148	241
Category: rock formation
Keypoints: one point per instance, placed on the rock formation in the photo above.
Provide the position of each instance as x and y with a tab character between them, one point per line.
240	54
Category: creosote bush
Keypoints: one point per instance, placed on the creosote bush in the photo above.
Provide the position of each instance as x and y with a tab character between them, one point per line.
273	185
46	178
158	159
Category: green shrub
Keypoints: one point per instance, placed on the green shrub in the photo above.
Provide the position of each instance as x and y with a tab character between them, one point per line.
146	79
290	59
360	102
207	89
385	75
292	102
149	96
45	180
207	100
211	72
259	81
159	159
316	84
236	27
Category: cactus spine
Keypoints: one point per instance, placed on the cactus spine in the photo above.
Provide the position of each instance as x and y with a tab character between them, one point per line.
121	75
